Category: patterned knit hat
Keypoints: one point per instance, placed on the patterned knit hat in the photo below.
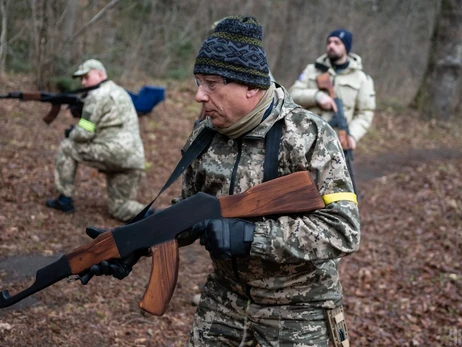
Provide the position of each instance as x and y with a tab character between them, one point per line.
234	51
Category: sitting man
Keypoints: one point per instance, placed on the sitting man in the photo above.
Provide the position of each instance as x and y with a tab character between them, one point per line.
107	138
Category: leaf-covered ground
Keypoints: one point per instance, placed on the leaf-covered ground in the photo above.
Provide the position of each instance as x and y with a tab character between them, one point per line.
403	287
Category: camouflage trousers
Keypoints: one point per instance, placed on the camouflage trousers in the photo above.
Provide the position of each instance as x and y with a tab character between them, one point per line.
122	186
225	319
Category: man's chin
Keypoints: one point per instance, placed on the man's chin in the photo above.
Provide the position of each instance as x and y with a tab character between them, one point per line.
333	57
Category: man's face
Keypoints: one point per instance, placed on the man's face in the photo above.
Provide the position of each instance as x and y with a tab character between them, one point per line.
92	78
335	48
224	104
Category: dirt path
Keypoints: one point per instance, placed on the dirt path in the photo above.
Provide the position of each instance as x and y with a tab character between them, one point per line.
374	166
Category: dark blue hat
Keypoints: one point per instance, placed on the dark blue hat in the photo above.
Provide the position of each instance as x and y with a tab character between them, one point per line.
345	36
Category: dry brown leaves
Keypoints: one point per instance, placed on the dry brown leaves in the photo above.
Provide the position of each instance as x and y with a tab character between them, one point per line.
402	288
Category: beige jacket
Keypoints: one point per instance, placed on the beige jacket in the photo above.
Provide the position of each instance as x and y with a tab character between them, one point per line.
352	85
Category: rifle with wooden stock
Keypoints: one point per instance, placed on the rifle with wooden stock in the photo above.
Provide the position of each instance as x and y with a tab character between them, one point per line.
294	193
72	99
339	121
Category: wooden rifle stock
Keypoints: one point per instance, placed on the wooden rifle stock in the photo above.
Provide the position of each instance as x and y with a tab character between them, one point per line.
294	193
324	83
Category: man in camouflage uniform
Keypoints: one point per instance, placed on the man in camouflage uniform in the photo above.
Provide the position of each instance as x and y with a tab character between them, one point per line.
107	138
278	289
351	84
275	280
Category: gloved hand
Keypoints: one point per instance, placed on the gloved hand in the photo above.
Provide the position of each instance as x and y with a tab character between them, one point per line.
118	268
68	130
225	237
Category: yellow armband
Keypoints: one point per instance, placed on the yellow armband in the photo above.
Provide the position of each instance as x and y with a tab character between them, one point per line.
87	125
330	198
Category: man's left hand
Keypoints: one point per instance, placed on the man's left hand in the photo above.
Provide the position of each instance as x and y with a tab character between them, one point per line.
68	130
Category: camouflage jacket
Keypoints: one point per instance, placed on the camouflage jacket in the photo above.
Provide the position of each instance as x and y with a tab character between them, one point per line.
293	258
110	123
354	87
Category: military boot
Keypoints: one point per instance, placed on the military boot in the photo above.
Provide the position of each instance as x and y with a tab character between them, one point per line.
62	203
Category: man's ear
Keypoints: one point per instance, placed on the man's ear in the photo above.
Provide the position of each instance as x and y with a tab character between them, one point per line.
102	75
251	92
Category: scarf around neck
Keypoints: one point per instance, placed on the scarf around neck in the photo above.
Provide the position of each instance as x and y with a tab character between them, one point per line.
251	119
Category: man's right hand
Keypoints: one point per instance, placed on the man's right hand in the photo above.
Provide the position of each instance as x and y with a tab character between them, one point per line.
325	101
118	268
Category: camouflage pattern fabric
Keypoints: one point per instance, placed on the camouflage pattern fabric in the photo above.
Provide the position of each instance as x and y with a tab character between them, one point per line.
293	263
227	319
114	147
116	138
354	87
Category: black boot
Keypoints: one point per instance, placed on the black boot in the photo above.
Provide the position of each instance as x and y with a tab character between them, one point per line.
62	203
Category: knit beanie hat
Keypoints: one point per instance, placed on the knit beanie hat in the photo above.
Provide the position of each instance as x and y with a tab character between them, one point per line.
234	50
345	36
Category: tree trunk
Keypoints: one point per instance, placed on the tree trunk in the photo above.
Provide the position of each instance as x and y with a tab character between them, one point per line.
439	94
3	37
71	15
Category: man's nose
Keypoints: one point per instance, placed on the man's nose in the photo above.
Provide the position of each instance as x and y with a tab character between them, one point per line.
201	95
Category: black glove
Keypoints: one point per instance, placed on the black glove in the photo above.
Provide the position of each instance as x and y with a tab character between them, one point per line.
225	238
118	268
76	109
68	130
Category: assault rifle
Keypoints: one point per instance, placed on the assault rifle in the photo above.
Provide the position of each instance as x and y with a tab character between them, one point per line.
339	121
294	193
72	99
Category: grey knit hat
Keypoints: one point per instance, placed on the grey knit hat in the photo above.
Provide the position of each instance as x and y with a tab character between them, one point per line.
234	50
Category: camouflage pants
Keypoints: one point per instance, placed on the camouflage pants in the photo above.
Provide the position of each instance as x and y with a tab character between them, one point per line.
225	319
122	186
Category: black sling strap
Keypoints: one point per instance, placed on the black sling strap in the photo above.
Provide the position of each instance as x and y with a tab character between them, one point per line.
272	144
200	143
203	141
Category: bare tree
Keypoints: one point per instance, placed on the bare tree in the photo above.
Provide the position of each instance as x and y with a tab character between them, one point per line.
439	95
3	35
69	17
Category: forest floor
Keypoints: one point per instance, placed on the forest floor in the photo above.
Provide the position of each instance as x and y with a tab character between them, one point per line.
402	288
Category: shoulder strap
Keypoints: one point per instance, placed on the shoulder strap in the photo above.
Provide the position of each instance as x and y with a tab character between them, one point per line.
199	145
272	144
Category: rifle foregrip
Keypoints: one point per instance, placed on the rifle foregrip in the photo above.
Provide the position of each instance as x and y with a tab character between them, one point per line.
100	249
164	275
294	193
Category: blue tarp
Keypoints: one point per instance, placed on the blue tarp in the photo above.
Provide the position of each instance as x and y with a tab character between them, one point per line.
147	98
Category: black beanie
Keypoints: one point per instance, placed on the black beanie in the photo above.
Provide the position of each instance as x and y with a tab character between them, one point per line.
234	50
345	36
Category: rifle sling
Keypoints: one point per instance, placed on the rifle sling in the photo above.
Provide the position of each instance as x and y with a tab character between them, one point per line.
199	145
272	143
